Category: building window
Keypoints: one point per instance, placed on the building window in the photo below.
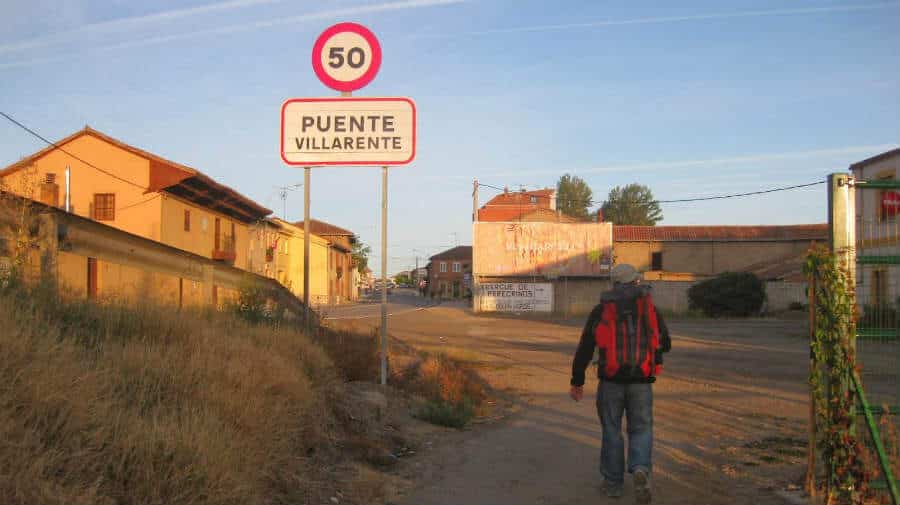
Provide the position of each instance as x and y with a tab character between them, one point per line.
656	262
443	267
457	267
187	220
105	206
533	200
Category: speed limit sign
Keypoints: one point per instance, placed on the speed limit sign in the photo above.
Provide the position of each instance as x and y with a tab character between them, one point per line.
346	56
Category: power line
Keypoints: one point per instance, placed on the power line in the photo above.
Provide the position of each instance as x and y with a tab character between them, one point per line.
738	195
56	146
139	203
681	200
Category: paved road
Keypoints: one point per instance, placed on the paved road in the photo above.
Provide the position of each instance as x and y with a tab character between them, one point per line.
729	413
400	301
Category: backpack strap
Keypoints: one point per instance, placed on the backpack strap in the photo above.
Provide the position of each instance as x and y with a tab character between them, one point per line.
606	334
650	322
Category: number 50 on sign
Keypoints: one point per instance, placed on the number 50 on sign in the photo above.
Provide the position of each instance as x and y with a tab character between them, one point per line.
346	56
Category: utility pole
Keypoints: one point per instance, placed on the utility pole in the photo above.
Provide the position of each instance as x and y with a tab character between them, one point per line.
475	201
476	298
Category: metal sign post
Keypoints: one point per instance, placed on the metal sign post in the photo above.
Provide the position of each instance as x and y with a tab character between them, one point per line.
384	333
348	131
306	237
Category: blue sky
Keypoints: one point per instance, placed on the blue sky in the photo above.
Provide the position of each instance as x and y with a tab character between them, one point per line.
692	98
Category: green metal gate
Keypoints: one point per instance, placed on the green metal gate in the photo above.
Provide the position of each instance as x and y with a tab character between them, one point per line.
877	273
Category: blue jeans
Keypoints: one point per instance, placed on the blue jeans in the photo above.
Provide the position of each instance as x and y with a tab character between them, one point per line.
636	401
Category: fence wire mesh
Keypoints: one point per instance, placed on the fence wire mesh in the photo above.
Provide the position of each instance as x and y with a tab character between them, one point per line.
878	334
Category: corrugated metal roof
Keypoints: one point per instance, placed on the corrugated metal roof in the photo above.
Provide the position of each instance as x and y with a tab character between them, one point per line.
876	158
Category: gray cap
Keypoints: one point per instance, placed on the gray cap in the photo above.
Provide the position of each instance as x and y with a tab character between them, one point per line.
623	273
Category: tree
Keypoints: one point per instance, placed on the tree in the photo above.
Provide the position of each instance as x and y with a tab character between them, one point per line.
632	205
360	255
573	196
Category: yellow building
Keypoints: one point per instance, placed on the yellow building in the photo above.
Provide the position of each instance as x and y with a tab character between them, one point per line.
342	286
276	251
141	193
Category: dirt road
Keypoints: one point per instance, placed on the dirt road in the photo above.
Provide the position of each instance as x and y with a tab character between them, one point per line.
729	413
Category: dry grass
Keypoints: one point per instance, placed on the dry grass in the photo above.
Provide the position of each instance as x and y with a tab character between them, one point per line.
105	405
355	354
888	430
451	393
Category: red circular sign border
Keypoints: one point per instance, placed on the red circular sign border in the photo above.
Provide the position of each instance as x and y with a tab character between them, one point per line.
362	80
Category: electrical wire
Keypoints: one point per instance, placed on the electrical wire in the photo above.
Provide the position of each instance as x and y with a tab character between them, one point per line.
56	146
154	197
738	195
680	200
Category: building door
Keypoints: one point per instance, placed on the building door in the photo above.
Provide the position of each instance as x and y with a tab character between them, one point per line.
218	239
92	278
455	289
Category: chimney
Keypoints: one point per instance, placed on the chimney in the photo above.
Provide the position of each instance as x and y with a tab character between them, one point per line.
599	215
505	190
50	190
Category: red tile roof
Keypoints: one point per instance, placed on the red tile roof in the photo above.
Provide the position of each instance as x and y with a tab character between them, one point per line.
513	205
719	233
176	177
461	252
324	229
542	197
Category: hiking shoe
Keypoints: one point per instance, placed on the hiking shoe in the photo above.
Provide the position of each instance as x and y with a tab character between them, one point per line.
612	489
642	494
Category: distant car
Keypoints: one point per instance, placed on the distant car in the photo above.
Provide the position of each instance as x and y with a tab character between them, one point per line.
377	286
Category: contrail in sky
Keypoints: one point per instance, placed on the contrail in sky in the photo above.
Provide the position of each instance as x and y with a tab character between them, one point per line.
180	13
131	22
675	19
662	165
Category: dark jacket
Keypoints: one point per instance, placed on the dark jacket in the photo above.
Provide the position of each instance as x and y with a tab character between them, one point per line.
621	294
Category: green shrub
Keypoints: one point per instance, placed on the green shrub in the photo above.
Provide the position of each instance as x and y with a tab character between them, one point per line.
452	394
731	294
443	413
252	304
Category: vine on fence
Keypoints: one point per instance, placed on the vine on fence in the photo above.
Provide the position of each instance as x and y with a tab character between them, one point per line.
833	363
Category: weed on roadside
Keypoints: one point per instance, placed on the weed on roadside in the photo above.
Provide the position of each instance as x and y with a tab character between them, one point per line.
451	395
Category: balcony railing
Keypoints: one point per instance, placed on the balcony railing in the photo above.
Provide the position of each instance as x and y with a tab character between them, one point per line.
225	251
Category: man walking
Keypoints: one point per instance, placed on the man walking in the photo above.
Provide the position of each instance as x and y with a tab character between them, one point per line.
631	337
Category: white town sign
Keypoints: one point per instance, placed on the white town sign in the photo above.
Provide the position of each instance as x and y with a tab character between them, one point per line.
348	131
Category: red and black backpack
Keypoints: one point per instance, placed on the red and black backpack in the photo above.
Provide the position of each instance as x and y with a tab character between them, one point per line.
628	337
